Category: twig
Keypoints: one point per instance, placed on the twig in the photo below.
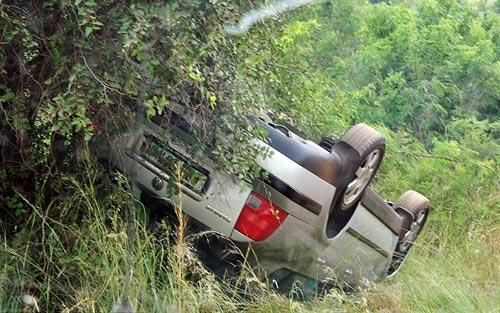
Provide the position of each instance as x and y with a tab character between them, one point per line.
431	156
446	159
106	86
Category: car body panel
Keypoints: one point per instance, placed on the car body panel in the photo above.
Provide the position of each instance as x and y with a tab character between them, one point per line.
363	249
359	251
297	177
215	209
289	205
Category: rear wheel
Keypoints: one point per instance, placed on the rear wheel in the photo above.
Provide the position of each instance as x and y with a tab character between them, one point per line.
371	147
418	205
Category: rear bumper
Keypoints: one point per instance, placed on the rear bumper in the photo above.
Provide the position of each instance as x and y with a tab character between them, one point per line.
218	208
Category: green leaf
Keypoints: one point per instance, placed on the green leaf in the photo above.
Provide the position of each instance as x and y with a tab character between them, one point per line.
88	30
7	96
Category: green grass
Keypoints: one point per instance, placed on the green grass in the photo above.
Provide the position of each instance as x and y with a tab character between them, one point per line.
72	255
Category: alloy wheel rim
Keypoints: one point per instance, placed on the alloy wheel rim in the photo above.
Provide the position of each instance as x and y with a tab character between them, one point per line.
364	173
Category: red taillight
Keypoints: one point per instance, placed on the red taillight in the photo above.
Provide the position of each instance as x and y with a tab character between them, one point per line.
259	218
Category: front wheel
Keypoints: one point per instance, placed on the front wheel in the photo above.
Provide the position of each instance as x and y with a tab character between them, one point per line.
418	205
371	147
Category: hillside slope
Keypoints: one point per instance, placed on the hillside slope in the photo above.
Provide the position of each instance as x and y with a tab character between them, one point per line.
425	73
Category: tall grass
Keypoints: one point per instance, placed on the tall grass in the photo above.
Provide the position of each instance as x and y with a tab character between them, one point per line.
461	279
73	253
81	264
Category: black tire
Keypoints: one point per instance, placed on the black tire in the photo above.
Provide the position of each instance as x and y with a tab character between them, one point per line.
371	147
418	206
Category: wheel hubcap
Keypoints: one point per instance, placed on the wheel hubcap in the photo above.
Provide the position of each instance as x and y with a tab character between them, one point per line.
363	175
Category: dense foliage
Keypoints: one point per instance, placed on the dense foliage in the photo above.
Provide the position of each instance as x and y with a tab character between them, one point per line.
426	73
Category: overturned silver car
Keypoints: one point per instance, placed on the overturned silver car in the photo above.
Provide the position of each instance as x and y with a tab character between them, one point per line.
311	218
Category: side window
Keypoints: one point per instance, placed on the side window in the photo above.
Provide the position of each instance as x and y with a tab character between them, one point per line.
295	285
